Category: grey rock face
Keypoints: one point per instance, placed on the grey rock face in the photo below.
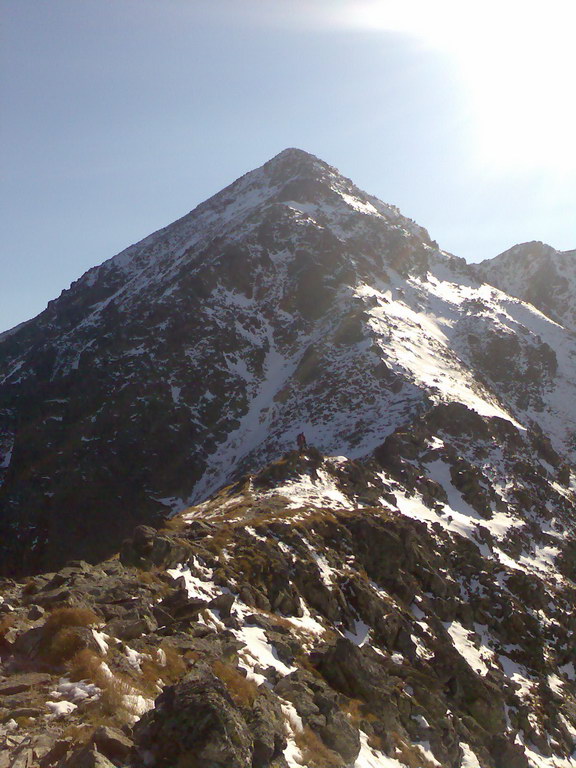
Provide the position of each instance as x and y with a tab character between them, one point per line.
196	721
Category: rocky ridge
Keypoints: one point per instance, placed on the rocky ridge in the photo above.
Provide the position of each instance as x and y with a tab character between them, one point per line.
414	609
398	595
538	274
291	300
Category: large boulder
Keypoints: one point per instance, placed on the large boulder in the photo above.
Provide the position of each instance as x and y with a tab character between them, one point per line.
318	706
266	723
197	724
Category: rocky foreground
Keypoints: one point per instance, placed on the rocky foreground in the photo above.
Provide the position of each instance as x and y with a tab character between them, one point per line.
406	610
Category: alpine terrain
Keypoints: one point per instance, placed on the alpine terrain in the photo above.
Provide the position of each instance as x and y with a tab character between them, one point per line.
184	587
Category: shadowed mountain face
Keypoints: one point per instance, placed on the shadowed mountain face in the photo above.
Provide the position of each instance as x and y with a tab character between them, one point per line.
290	301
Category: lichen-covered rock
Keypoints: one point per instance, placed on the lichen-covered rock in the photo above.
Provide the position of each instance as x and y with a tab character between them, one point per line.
266	723
196	723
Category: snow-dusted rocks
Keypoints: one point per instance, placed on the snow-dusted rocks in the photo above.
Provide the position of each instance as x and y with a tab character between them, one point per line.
401	592
410	609
538	274
289	301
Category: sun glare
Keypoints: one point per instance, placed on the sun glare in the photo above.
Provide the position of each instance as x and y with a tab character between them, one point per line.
517	63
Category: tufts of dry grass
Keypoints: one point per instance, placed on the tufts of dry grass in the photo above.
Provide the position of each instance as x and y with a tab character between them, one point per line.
6	623
315	753
112	705
30	587
242	690
85	665
161	664
354	708
63	645
112	701
174	524
376	742
62	641
410	755
70	617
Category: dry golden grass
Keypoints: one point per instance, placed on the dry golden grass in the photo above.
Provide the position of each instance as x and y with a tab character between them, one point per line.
63	645
173	525
111	707
354	708
61	642
30	587
164	664
242	690
175	666
25	721
79	733
112	701
376	742
85	665
6	622
315	753
410	755
70	617
149	577
152	578
357	711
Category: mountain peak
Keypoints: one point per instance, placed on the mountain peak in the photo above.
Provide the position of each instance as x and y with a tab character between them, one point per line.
294	153
532	248
293	162
539	274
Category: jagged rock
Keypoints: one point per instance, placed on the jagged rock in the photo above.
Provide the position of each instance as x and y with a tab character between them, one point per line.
29	643
339	735
87	757
57	752
196	721
23	682
318	707
35	612
130	629
350	670
317	594
33	750
23	711
147	548
266	723
177	606
112	743
223	604
53	597
507	755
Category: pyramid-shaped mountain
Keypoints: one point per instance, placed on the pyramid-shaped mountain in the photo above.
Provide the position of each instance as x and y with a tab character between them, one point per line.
290	301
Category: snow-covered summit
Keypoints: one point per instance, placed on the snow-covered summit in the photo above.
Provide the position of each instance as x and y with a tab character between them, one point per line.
291	300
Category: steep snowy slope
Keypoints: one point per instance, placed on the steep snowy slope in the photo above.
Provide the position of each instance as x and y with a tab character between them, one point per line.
538	274
290	301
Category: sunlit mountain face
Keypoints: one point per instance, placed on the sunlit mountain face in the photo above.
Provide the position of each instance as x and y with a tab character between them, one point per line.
291	301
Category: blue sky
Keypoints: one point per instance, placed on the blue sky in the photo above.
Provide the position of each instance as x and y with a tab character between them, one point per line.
119	116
